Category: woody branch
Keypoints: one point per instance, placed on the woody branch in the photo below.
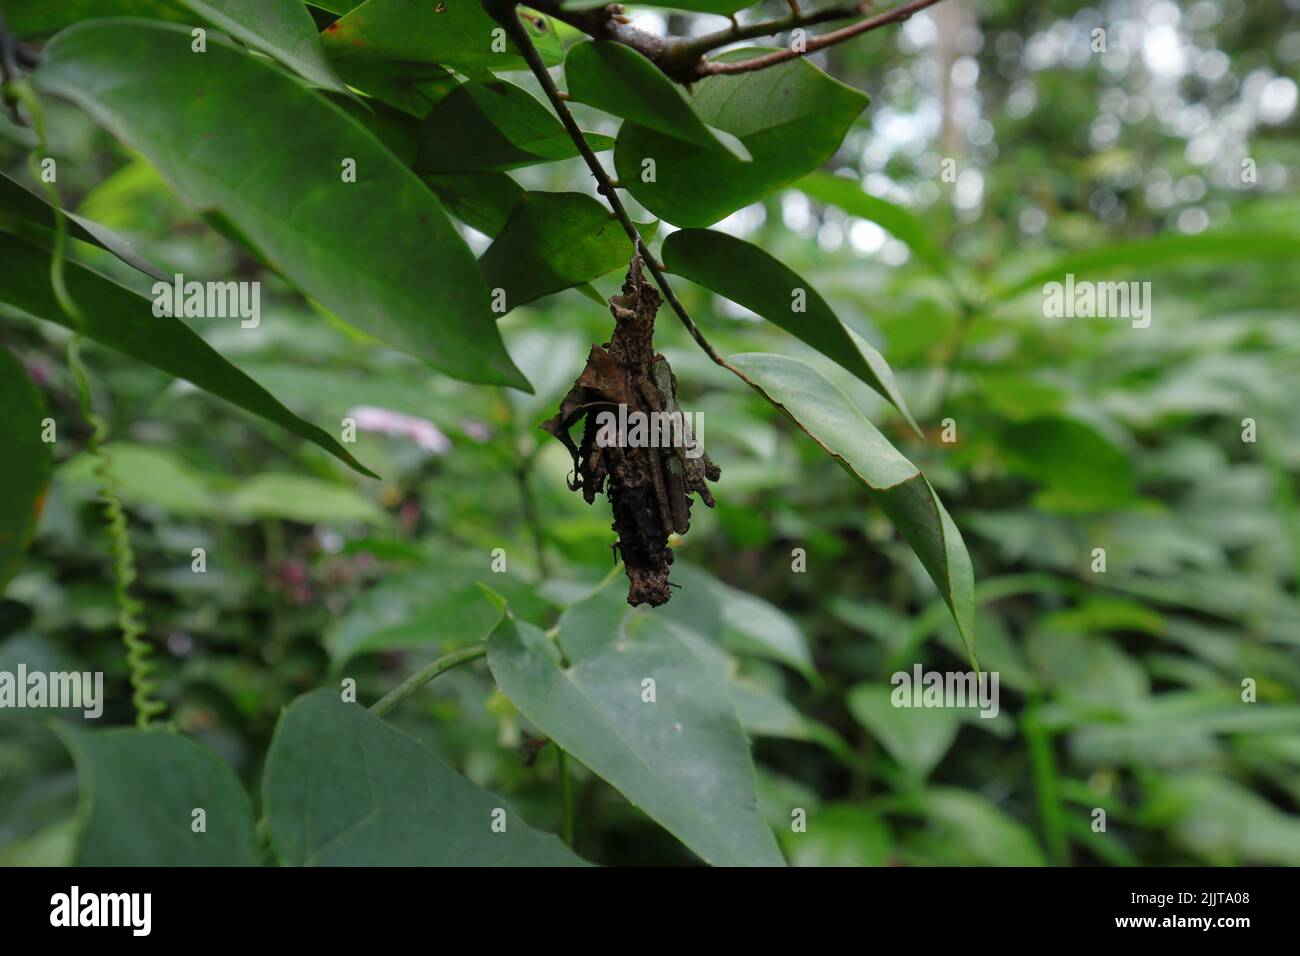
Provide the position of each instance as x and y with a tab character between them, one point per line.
685	59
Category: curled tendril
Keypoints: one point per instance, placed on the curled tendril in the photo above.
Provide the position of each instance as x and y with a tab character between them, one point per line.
129	609
138	650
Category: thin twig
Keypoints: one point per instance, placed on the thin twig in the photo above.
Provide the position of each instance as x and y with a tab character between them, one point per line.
503	11
896	15
683	58
677	56
702	45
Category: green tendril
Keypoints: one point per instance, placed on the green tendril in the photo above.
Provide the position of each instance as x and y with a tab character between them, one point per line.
138	650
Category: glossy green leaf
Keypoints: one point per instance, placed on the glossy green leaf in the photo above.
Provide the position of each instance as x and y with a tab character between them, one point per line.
336	6
897	485
619	80
379	252
139	791
455	33
343	788
124	321
21	210
412	88
398	132
32	18
683	759
745	274
280	28
849	196
554	241
478	128
791	118
482	201
29	461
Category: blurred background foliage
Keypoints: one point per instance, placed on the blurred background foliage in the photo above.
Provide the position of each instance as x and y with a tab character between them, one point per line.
1120	690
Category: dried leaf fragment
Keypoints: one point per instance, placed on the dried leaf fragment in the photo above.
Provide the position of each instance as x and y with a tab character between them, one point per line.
648	482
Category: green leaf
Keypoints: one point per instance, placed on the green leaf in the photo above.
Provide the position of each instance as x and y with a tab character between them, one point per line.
839	834
1222	821
412	88
303	499
1080	469
456	33
555	241
1089	668
336	6
898	486
478	128
760	709
757	627
21	209
139	790
124	321
343	788
848	195
683	759
52	845
144	475
482	201
617	79
28	462
740	621
1161	250
280	28
439	607
971	825
791	118
917	737
152	477
745	274
30	18
377	252
395	130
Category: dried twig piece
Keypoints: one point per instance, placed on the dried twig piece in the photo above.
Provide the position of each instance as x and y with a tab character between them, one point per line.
648	480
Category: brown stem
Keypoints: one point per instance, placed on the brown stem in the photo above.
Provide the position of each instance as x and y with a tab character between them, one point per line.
503	11
702	45
682	58
817	43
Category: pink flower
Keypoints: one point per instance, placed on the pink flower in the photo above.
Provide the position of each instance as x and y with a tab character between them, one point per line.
385	421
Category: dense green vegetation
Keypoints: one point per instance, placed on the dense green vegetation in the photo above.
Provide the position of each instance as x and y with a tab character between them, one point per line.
1123	489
